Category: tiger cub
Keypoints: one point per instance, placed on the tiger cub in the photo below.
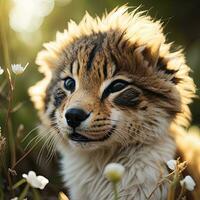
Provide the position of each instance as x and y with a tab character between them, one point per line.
114	91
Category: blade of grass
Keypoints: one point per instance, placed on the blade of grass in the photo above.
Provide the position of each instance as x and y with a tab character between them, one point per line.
5	47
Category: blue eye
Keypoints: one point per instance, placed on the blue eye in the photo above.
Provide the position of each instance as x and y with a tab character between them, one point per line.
69	84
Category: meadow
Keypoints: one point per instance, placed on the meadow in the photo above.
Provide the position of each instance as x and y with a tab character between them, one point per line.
24	26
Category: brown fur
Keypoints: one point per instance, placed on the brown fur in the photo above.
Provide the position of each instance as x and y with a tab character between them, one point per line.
126	45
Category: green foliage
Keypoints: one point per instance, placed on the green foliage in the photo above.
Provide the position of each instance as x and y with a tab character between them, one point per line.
17	115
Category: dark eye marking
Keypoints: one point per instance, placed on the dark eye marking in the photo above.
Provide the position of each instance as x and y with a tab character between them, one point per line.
59	95
115	86
129	97
69	84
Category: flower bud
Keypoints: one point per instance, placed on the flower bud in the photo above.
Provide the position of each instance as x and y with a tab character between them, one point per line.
1	70
172	164
114	172
188	183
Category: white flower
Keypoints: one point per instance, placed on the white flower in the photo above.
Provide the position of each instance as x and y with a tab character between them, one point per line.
15	198
172	164
188	183
1	70
35	181
114	172
18	69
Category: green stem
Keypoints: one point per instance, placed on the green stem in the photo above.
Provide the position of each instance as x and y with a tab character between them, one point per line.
181	193
5	48
36	195
24	192
24	156
3	33
171	193
115	191
1	194
22	181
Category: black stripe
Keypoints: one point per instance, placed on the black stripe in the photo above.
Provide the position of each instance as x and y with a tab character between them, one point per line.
46	101
163	67
52	114
151	92
176	80
125	44
97	46
170	71
58	97
49	93
99	73
114	60
155	94
91	56
71	67
120	37
105	69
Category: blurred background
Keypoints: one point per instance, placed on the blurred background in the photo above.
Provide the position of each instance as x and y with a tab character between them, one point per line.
30	23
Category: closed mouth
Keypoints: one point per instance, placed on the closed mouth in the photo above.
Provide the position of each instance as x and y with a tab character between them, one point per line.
81	138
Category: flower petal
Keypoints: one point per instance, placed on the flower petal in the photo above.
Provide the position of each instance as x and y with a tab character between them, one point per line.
18	69
1	71
43	181
172	164
24	176
35	181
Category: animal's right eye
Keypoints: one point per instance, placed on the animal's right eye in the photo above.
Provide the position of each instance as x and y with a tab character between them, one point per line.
69	84
117	86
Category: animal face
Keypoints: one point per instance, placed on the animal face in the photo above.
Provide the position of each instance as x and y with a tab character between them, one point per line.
113	85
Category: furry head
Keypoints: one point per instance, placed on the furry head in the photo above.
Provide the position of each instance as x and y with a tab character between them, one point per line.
113	80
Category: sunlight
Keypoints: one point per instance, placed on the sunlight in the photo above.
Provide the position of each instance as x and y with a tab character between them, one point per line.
28	15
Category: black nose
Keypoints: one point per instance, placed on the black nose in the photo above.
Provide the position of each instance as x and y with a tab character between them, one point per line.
75	116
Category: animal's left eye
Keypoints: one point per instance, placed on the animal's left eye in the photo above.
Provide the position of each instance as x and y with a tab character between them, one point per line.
115	86
69	84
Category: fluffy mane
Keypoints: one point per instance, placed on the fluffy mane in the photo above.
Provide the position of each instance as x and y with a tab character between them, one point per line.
164	68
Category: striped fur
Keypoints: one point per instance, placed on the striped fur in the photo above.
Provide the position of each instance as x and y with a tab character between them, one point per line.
136	120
